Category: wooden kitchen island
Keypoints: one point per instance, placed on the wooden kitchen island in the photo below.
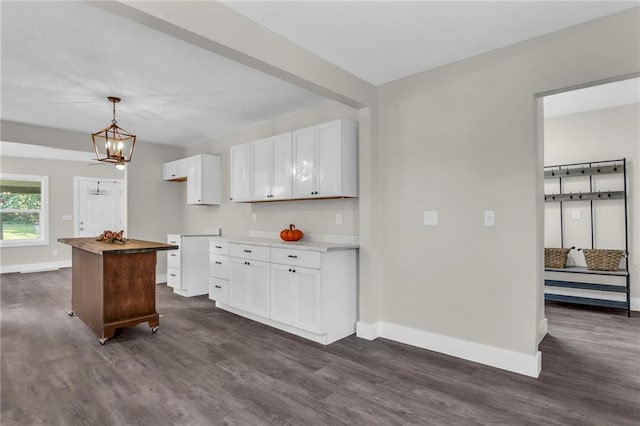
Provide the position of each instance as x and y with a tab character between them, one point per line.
114	285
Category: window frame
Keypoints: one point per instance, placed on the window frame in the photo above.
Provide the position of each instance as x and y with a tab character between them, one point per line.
44	211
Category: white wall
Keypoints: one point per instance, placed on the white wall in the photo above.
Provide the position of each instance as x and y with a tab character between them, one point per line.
311	216
605	134
60	175
461	139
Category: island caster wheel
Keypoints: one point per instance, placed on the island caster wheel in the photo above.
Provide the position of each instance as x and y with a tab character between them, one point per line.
154	330
103	340
71	313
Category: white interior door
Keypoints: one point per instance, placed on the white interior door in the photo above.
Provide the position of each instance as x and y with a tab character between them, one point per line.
98	206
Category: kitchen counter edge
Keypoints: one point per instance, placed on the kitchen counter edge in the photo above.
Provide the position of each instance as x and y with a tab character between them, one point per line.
320	246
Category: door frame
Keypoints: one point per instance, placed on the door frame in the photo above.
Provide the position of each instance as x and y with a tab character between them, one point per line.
123	199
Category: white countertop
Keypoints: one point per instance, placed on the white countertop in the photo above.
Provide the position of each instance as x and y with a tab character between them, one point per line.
321	246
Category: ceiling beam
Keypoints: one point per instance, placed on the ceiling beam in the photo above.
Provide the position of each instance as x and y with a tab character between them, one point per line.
221	30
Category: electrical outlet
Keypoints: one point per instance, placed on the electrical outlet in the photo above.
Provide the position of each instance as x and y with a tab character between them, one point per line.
338	218
254	217
54	252
430	218
489	218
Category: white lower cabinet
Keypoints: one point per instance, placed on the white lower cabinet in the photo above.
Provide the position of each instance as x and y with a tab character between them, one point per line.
308	293
187	266
296	297
307	298
219	290
249	285
219	270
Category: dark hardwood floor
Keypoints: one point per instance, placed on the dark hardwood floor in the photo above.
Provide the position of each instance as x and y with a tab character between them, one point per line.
209	367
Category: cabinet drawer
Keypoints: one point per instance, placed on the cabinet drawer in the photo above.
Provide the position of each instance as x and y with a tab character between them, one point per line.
173	259
219	290
305	258
174	279
218	247
173	239
247	251
219	266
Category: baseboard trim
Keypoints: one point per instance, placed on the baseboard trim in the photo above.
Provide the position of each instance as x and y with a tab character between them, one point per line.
543	329
368	331
161	278
35	267
528	365
635	304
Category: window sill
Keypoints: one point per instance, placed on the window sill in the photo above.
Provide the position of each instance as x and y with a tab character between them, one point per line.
22	243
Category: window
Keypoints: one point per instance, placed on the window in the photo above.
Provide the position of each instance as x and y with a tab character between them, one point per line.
23	210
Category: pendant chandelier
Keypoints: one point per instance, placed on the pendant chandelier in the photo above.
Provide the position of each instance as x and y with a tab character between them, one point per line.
113	144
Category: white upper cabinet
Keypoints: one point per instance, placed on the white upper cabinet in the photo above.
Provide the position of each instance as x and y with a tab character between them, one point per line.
272	171
203	179
240	159
202	173
304	147
315	162
325	159
175	170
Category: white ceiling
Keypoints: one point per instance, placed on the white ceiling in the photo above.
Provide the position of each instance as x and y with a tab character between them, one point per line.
382	41
611	95
59	63
60	60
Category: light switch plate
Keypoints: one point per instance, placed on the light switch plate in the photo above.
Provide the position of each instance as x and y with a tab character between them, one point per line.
575	214
67	217
254	217
338	218
430	218
489	218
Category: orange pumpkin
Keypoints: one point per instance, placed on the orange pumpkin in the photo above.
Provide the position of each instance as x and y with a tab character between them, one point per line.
291	234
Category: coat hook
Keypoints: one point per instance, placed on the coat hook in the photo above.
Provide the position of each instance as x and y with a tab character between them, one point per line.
615	167
580	196
609	194
571	195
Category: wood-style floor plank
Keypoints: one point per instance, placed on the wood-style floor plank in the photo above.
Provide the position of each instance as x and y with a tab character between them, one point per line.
210	367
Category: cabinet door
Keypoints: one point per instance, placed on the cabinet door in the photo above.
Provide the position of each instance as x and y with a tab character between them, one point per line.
304	163
240	163
282	173
328	167
238	283
194	180
307	299
174	170
281	294
259	294
262	167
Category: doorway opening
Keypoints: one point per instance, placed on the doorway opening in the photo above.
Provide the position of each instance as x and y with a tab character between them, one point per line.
590	140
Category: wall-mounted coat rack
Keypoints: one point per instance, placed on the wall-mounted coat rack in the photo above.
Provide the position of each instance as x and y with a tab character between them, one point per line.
560	289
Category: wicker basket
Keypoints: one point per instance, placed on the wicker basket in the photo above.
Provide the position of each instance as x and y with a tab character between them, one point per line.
603	260
556	257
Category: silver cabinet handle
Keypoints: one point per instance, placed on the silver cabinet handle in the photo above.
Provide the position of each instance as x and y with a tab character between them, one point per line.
218	246
217	286
173	275
218	263
173	255
293	256
247	251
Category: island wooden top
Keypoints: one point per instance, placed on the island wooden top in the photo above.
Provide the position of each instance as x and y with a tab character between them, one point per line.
100	247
